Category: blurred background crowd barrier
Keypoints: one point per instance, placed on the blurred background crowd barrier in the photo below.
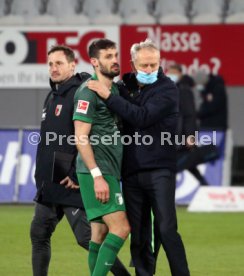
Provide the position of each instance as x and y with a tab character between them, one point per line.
17	167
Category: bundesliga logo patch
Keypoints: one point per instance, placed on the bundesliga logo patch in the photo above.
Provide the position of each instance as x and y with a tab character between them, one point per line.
82	106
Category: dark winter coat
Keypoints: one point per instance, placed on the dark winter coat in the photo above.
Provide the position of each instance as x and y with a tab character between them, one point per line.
153	111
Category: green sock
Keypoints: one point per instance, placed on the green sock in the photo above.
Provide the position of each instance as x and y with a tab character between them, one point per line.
107	254
92	256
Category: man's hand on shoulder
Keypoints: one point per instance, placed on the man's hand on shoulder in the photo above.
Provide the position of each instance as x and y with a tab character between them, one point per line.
100	88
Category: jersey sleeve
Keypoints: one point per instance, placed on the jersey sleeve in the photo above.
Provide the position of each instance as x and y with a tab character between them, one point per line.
84	105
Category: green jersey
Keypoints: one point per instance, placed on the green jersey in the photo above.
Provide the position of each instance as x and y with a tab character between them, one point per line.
104	135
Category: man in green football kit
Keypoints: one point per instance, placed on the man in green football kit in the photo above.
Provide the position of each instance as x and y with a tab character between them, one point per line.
99	162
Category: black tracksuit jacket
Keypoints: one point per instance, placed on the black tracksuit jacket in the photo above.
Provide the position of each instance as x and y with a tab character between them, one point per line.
151	110
57	118
213	111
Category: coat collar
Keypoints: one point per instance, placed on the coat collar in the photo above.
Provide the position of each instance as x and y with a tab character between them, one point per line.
74	81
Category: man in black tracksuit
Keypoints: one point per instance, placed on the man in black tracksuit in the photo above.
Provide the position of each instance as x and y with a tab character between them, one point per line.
213	110
54	200
187	123
149	109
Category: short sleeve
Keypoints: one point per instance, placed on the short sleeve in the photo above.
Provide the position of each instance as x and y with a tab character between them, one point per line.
85	102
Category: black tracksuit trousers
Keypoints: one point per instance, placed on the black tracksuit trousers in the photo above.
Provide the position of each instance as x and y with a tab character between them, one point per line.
153	190
44	222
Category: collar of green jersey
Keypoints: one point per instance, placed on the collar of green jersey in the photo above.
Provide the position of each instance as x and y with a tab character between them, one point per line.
113	88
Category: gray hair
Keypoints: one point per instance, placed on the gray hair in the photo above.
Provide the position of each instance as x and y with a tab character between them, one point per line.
135	48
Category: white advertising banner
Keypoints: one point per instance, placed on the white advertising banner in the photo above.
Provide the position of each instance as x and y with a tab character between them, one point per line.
218	199
23	51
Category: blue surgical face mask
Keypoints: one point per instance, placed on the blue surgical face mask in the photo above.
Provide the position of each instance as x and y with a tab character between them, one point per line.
145	78
173	77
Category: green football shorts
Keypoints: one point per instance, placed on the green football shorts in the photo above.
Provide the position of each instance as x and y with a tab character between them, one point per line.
95	210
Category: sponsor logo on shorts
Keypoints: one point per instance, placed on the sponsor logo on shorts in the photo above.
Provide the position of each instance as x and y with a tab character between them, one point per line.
107	264
119	199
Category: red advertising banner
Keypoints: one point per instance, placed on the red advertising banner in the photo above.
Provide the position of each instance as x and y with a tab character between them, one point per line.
214	48
23	51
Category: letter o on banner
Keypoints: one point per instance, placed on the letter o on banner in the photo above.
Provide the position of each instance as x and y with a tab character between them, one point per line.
19	49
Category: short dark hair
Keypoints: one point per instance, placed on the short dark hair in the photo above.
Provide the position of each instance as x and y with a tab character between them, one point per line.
176	66
100	44
69	53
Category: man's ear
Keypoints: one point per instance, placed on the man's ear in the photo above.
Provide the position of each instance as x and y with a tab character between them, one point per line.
94	62
133	66
73	66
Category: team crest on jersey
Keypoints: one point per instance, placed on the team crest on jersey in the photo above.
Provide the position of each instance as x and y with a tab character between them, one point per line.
119	199
82	106
58	109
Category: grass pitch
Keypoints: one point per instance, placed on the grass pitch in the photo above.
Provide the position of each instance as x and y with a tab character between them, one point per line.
214	244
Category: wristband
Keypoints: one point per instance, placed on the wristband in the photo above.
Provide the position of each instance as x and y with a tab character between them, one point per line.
95	172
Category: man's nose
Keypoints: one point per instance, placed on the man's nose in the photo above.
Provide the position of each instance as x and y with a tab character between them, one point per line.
116	59
53	68
148	69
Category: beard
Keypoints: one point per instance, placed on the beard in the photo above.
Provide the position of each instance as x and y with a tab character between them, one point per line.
109	74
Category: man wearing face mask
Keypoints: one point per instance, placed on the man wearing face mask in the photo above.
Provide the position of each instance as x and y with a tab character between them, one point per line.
149	108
